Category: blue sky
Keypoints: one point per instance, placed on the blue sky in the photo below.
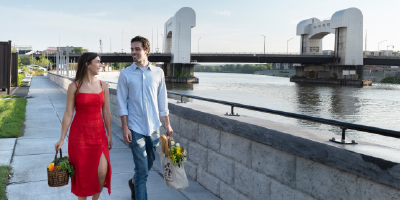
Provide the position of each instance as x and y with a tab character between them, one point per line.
224	26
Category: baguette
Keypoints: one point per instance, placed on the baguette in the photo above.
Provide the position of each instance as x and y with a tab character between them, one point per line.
163	140
166	148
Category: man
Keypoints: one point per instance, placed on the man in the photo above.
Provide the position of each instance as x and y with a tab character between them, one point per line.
142	98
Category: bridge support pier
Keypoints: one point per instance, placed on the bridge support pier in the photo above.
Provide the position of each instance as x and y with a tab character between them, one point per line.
179	73
332	74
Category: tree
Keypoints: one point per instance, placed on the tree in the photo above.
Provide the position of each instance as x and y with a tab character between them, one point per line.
43	61
120	65
25	60
78	50
231	68
19	62
33	61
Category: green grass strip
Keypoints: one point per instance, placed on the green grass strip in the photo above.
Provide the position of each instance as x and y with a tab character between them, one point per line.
12	117
20	83
10	96
4	172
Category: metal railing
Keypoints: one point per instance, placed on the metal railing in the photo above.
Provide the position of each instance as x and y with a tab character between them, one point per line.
256	53
341	125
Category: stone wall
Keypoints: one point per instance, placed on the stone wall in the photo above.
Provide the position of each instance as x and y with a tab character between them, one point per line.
250	158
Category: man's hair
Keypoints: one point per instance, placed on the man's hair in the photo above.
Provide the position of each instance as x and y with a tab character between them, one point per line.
145	42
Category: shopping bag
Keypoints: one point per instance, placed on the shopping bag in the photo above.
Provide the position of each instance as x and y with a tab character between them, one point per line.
174	175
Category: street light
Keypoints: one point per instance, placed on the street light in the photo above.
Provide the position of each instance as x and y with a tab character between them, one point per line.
287	46
264	42
198	45
380	43
163	40
387	50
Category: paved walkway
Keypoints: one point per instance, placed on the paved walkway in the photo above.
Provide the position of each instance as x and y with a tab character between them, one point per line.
34	150
23	91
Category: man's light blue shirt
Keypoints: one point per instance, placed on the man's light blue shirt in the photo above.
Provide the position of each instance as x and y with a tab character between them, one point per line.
142	96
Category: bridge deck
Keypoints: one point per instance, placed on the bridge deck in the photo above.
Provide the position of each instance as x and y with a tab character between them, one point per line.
241	58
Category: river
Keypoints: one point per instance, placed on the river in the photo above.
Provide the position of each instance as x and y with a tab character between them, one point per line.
377	105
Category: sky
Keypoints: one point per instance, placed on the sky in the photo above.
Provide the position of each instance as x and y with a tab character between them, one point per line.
224	26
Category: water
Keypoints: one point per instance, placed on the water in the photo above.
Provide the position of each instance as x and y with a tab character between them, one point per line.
377	105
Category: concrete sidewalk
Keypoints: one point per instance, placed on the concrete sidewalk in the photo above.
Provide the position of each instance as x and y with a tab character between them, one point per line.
34	150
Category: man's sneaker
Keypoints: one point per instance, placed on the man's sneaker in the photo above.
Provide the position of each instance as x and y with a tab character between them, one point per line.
132	187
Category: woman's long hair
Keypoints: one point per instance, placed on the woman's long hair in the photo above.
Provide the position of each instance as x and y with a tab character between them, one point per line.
82	68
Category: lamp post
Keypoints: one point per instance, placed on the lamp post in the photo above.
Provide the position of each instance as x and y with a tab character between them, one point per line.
162	40
264	42
380	43
198	45
387	50
287	45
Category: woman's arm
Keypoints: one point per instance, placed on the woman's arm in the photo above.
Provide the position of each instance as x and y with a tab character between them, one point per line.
107	113
68	114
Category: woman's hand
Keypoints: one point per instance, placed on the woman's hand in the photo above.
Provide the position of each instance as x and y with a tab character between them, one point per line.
110	142
58	145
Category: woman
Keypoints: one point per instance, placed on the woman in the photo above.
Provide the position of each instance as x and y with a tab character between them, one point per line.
88	145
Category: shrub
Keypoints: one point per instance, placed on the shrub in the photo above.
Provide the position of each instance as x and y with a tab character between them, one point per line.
176	73
388	79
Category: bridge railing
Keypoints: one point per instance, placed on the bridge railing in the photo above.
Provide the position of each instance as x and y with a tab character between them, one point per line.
393	56
255	53
342	125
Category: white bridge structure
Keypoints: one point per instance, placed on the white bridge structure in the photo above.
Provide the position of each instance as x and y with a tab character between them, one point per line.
347	25
177	41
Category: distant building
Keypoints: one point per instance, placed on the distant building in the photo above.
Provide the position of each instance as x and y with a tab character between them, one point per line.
22	49
64	49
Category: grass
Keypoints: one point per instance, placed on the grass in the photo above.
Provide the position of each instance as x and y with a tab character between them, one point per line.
20	83
4	172
10	96
12	117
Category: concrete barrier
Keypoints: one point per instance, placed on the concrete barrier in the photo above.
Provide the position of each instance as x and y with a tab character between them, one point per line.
251	158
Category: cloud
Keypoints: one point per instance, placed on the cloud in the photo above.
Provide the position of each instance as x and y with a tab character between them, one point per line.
99	14
222	13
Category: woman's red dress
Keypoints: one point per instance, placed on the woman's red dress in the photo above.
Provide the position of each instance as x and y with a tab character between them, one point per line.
87	140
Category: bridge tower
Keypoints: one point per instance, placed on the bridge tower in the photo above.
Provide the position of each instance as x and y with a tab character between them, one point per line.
177	41
347	25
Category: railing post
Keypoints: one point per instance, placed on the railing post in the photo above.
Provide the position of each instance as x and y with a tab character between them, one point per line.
232	113
343	134
343	140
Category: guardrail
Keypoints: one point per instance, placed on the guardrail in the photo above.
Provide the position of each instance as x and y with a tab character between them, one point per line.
197	53
255	53
341	125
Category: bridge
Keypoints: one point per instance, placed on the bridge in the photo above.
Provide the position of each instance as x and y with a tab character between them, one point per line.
346	62
232	57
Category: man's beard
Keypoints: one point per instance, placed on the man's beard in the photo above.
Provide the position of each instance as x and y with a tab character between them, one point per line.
138	57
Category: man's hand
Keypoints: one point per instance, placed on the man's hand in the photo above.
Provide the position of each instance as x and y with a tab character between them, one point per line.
169	130
127	135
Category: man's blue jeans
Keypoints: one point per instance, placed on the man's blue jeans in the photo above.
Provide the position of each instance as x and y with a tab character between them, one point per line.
143	151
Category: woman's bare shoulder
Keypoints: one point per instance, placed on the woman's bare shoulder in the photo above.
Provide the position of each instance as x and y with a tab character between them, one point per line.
72	87
104	84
